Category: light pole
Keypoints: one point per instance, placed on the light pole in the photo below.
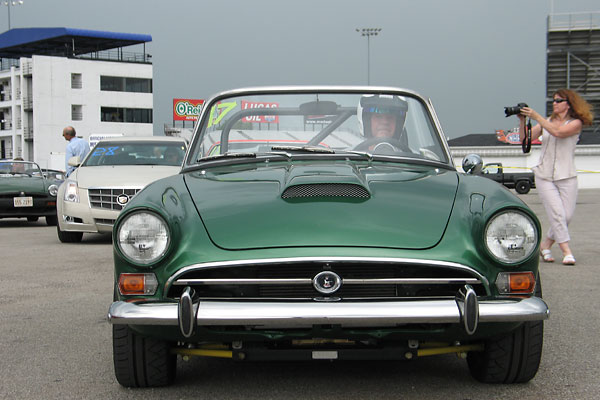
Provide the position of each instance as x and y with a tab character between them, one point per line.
8	4
368	32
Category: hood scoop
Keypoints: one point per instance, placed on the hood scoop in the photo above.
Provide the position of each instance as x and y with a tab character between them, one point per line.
345	190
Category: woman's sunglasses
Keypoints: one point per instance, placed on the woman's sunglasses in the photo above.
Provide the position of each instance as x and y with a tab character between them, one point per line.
559	100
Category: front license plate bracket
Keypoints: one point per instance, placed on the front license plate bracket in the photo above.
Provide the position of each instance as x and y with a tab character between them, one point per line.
23	201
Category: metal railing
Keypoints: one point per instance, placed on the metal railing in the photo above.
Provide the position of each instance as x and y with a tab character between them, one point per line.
118	55
28	133
7	63
574	21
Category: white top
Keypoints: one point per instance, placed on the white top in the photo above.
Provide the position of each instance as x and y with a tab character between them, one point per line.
557	159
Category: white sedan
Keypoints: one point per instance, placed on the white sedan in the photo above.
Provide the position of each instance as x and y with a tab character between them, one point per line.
114	171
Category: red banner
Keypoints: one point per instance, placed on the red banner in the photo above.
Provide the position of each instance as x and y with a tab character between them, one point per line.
265	119
187	109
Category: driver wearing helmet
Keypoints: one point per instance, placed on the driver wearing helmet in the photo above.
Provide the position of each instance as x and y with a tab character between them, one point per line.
381	118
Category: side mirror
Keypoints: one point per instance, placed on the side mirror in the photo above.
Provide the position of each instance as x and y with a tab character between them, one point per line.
74	161
472	164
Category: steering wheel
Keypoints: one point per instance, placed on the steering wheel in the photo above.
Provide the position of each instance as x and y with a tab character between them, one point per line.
383	146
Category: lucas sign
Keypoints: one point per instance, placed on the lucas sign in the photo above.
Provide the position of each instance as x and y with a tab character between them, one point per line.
187	109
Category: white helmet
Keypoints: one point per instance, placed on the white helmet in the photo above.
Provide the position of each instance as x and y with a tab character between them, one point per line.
381	104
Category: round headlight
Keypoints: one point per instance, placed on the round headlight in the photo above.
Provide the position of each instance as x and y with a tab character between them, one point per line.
511	237
53	190
143	237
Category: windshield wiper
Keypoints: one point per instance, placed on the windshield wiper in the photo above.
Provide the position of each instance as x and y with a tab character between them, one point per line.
368	156
304	149
228	155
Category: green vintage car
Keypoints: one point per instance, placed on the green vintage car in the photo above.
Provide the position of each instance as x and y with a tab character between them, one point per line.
26	193
325	223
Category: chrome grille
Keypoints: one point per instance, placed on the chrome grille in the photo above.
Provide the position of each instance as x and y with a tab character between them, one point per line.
326	190
106	198
360	280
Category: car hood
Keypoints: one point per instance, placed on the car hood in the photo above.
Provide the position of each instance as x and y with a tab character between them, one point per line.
26	185
407	206
135	176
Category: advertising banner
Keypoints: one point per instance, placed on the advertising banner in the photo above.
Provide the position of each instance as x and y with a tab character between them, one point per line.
95	138
319	119
187	109
265	119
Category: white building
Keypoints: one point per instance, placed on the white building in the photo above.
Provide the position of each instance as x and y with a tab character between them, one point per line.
54	77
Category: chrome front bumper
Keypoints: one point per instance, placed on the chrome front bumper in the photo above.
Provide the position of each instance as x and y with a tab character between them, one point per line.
304	314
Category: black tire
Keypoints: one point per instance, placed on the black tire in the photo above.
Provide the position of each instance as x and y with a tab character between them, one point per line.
68	237
51	220
510	358
32	219
141	361
523	187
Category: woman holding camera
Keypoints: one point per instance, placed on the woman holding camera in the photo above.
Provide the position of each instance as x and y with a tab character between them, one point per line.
555	174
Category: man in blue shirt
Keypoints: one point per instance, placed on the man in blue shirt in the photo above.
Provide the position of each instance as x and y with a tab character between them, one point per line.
76	147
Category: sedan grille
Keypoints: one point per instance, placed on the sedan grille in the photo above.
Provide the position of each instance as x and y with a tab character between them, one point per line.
107	199
294	280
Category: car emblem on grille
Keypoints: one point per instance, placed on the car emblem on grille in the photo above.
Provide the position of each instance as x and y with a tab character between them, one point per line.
122	199
327	282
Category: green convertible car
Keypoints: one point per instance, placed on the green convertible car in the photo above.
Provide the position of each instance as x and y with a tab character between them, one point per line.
325	223
25	192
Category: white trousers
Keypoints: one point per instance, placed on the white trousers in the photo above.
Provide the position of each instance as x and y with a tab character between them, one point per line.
559	199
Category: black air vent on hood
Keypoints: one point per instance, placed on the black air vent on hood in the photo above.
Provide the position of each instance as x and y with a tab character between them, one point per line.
325	190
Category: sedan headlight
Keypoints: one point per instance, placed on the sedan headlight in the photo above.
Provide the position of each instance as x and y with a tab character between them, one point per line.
52	190
71	192
143	237
511	236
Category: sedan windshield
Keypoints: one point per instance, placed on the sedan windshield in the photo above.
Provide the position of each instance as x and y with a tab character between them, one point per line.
136	153
296	124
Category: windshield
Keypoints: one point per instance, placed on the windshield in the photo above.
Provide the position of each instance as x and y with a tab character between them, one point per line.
10	169
326	123
136	153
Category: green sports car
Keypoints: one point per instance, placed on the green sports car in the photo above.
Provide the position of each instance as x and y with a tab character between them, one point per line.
325	223
25	192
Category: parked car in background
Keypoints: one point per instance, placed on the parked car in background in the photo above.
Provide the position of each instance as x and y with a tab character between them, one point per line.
54	175
25	192
114	171
522	182
325	223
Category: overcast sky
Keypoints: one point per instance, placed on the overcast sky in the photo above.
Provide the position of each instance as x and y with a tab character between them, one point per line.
471	57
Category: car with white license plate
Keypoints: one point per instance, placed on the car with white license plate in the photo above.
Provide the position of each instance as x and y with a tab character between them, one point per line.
25	192
325	223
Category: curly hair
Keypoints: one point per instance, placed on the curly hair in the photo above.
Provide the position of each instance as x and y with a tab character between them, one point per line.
580	109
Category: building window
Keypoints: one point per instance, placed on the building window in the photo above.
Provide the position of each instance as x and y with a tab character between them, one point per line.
76	81
77	112
122	84
133	115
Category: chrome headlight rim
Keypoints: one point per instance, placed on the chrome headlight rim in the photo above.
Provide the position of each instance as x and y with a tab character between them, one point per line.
534	242
53	190
124	218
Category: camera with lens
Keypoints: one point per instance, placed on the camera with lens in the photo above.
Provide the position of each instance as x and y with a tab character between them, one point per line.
514	110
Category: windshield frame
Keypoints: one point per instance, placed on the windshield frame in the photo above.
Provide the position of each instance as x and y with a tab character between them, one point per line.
192	162
31	174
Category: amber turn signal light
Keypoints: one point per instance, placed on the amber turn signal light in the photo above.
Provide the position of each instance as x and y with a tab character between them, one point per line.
515	282
137	284
522	282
